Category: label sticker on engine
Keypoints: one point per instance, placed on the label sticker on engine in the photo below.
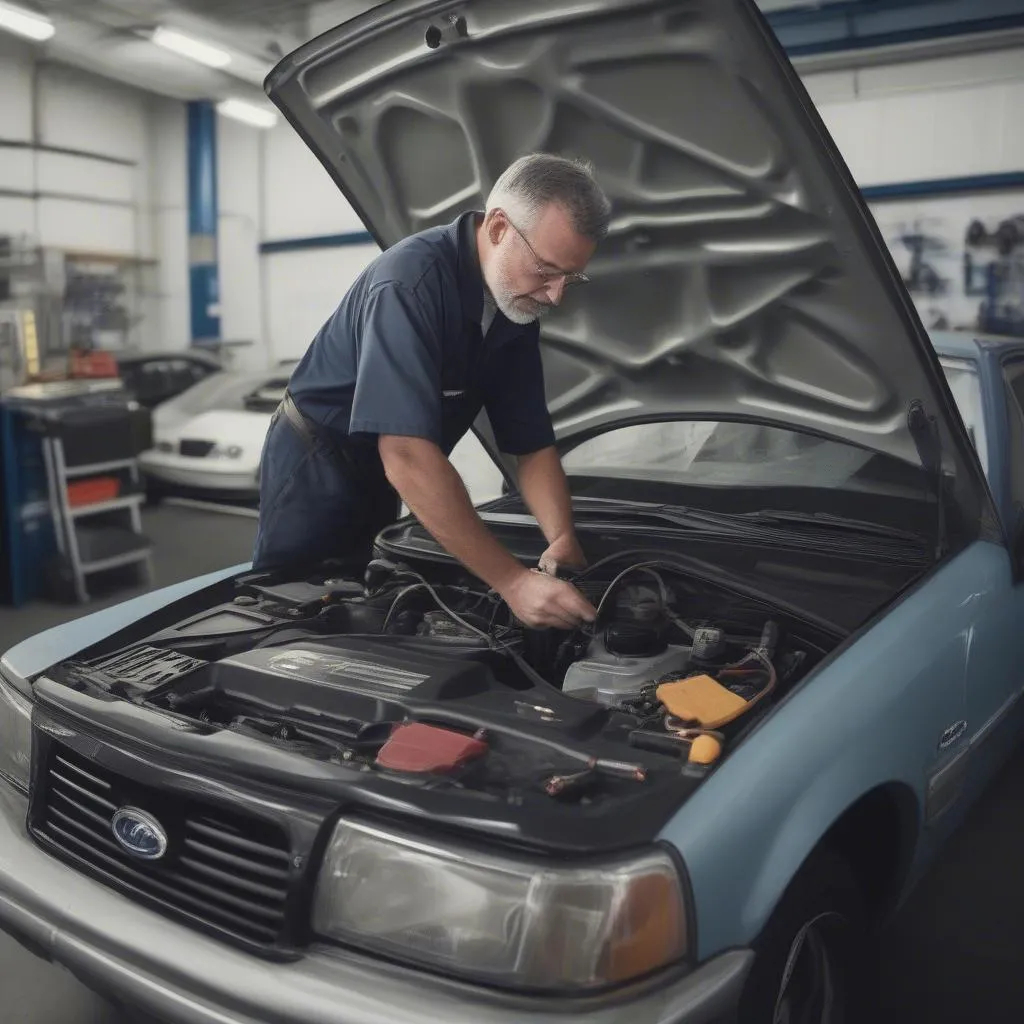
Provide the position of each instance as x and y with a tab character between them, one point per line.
343	670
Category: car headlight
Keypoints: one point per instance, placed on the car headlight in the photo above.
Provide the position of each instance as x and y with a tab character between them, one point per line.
15	729
164	446
494	919
226	451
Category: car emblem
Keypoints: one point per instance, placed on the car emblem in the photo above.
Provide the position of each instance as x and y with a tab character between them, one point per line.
952	734
139	833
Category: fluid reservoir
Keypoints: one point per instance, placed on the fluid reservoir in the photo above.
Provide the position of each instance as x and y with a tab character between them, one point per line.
609	677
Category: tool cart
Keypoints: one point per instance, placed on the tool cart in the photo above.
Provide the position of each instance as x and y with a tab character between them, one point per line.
84	438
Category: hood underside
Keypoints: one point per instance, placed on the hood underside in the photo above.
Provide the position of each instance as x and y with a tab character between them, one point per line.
742	277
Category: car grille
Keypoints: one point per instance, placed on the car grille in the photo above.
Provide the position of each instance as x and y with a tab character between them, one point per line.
195	449
222	872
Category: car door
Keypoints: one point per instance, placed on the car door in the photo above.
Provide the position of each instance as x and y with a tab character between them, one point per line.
995	670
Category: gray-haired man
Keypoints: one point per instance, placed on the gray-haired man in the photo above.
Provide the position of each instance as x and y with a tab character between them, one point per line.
438	327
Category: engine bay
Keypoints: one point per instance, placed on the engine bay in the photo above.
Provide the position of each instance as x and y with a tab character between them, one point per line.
415	676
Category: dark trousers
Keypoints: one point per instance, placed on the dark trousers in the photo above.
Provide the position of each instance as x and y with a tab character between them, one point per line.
316	505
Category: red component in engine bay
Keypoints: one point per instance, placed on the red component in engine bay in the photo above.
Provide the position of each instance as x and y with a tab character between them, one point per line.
415	747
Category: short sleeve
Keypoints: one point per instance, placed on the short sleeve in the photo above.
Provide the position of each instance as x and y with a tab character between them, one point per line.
515	401
398	375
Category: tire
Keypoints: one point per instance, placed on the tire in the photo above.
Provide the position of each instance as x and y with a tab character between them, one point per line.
811	966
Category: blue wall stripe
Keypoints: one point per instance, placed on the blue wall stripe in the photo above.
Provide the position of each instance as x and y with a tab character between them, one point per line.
204	278
317	242
944	186
910	35
899	190
864	24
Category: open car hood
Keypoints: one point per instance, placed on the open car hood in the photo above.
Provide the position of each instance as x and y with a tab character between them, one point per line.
742	278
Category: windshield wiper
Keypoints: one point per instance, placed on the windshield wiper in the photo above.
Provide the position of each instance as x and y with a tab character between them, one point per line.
832	522
836	533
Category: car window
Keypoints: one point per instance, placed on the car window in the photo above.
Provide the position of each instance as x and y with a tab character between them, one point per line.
179	376
151	380
963	380
1013	374
198	371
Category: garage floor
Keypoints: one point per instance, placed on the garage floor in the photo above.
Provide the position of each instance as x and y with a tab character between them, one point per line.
953	954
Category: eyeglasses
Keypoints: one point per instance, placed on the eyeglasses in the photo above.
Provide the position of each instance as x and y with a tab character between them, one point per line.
570	277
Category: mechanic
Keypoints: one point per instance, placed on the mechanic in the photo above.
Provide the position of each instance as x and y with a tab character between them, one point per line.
439	326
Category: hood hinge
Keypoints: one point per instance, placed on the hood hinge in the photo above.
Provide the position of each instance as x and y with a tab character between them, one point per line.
924	429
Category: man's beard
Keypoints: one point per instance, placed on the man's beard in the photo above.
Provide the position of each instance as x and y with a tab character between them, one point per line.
520	309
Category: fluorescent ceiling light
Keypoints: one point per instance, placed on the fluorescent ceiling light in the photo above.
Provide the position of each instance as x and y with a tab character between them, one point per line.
249	113
186	46
25	23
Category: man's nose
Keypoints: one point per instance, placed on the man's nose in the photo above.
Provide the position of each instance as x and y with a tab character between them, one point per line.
555	290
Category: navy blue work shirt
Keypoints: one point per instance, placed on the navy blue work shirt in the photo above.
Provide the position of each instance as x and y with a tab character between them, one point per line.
404	353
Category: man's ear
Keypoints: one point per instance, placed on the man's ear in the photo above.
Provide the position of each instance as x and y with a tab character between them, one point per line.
495	226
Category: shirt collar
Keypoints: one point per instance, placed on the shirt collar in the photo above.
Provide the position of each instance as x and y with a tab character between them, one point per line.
471	282
471	279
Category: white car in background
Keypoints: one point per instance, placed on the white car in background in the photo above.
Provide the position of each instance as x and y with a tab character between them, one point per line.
208	440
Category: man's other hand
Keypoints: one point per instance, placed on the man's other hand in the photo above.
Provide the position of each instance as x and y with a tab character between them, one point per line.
540	601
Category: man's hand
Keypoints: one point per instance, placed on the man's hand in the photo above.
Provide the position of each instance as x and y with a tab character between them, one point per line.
542	601
435	493
564	551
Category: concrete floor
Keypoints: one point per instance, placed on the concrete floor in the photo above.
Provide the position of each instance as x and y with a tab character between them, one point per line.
953	954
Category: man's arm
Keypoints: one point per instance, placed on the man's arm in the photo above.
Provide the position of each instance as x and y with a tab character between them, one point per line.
546	492
434	491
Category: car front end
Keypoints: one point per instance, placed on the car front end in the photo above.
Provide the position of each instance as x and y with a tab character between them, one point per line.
227	872
220	469
215	452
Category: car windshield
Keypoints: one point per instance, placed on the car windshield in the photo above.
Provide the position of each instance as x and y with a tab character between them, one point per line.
736	455
963	380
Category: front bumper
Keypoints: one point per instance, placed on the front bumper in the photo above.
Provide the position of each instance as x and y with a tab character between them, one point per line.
146	962
200	474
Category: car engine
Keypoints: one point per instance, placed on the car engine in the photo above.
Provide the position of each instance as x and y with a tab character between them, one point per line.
430	680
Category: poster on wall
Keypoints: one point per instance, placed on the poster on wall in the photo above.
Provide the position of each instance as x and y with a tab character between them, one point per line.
961	258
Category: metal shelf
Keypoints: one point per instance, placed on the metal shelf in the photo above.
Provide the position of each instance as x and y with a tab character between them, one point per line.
95	508
98	467
134	547
116	561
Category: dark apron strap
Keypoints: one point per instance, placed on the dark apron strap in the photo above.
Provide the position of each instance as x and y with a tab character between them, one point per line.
311	433
379	498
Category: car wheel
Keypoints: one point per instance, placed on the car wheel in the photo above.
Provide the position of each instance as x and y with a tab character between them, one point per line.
810	966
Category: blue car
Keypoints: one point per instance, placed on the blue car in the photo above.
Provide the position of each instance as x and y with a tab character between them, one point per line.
364	793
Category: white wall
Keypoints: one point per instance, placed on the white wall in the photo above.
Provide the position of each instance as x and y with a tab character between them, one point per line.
239	199
924	120
120	190
168	178
302	288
